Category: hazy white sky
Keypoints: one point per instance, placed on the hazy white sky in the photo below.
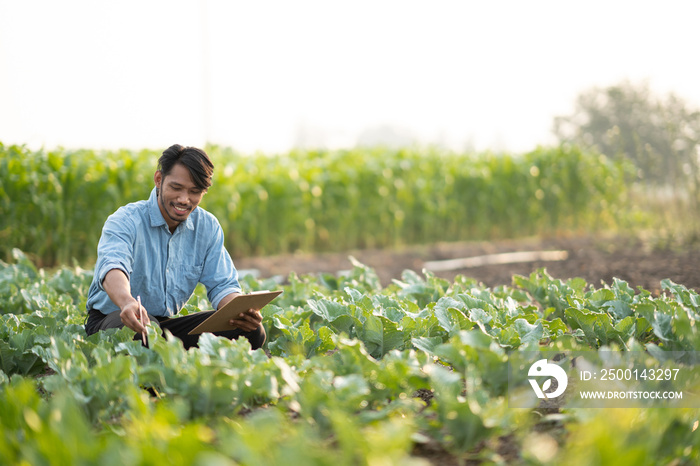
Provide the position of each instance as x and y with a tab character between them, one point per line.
268	75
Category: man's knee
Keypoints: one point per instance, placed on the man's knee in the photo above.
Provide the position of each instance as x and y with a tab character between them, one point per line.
256	337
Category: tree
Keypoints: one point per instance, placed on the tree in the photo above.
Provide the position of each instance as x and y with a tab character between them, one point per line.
660	135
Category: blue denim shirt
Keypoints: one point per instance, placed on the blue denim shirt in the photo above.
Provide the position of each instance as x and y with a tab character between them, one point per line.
163	268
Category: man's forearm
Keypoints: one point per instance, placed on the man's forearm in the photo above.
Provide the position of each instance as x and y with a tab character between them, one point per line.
116	284
226	299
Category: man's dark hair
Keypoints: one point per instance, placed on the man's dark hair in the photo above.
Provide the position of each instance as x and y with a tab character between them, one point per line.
195	160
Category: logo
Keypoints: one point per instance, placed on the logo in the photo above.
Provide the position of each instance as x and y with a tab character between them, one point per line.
542	367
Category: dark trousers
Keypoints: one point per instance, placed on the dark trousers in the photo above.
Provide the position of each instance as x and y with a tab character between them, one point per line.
178	326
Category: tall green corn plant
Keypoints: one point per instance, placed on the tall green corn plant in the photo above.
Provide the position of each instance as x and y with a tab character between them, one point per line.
54	203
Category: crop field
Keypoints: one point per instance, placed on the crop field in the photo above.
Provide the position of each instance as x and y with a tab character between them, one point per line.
355	371
53	203
352	373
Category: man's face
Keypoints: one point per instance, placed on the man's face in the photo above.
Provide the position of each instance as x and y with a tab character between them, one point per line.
177	195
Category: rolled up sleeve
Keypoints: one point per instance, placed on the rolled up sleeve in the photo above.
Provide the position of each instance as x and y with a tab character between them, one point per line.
115	249
219	275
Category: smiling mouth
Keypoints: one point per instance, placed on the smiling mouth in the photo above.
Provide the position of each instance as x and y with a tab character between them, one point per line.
180	211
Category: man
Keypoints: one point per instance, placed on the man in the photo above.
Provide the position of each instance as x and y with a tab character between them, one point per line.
158	250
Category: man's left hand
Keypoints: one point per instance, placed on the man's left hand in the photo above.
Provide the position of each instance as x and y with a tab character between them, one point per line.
248	320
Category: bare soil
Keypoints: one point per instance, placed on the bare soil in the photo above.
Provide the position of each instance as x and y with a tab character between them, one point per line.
596	259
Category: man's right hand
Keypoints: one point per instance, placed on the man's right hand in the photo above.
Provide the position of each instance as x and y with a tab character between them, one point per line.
116	284
131	317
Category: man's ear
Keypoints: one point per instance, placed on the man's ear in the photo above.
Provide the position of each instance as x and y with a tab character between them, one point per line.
158	178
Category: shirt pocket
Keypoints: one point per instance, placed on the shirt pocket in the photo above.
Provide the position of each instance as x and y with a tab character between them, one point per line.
189	277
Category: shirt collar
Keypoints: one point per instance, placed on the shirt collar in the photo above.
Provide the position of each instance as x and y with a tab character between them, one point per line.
157	217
